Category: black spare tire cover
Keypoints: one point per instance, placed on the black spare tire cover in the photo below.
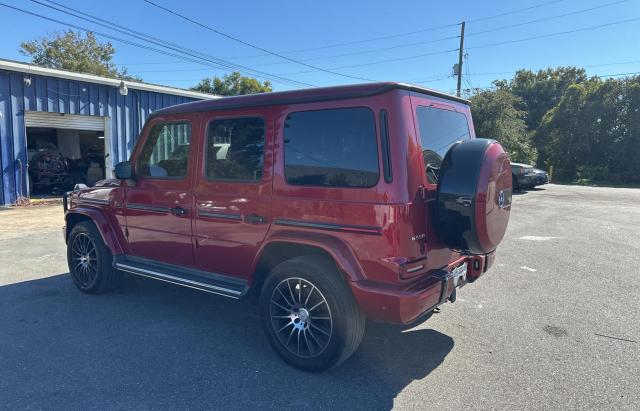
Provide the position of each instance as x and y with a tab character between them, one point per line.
474	196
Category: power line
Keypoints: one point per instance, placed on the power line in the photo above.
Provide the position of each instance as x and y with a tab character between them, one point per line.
506	13
468	73
103	34
145	47
171	71
597	75
584	66
383	61
150	39
486	45
436	79
391	60
555	34
350	43
540	20
246	43
619	74
613	64
355	53
450	37
404	45
409	33
430	80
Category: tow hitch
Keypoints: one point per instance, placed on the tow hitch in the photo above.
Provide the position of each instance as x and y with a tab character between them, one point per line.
451	280
459	278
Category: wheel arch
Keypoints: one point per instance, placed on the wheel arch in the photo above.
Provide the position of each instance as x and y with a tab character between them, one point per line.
98	218
286	246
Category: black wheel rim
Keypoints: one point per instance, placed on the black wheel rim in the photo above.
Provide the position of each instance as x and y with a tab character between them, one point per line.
301	317
84	260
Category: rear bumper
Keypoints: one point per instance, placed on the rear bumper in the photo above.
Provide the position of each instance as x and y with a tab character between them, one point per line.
404	303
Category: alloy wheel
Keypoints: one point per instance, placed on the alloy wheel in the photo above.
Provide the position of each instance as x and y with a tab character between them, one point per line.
301	317
84	258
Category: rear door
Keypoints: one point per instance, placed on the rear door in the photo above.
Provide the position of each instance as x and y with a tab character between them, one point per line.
159	208
233	190
439	125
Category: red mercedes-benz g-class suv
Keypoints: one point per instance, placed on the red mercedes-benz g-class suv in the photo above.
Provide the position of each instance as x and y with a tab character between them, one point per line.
332	204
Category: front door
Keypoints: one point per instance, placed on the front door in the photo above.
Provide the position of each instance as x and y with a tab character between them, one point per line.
159	208
233	190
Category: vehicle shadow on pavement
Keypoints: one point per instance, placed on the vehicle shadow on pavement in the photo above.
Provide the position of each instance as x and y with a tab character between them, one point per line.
152	345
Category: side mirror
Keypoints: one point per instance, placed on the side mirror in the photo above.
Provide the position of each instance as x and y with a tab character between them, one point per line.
124	170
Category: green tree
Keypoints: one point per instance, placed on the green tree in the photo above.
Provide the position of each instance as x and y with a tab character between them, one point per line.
496	115
593	133
74	51
627	163
539	92
233	84
542	90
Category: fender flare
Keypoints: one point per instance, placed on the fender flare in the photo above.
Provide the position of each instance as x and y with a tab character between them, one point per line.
338	250
102	223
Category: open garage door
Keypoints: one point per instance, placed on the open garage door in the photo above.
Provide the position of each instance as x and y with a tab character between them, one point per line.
64	121
65	150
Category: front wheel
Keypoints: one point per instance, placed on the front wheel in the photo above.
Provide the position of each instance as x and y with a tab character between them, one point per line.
309	314
90	260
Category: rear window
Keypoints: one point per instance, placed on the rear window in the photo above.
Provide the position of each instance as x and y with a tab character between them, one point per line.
439	130
331	148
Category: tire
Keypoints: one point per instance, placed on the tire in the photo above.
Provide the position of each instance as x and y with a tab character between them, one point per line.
90	261
309	314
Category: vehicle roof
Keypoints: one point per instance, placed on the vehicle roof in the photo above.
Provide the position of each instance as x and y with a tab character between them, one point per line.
301	96
521	165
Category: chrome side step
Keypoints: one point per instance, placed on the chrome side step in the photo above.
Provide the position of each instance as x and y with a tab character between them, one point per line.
187	277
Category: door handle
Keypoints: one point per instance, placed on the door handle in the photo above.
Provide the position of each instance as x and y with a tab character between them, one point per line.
254	219
178	211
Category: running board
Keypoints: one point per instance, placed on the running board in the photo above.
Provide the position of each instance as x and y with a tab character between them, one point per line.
226	286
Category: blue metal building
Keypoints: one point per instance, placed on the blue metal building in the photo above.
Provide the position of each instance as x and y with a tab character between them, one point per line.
33	96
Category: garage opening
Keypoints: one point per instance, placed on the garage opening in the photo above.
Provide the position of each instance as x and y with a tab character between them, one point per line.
64	150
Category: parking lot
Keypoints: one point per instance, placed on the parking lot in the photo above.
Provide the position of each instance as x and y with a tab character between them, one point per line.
554	325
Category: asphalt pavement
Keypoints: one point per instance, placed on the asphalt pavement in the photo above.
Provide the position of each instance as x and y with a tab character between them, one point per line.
554	325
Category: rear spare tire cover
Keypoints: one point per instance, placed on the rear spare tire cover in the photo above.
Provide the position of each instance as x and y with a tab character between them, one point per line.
474	196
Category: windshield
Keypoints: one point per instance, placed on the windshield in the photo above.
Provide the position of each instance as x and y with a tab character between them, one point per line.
439	130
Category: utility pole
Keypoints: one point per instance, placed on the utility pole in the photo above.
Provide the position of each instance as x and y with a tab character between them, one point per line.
460	56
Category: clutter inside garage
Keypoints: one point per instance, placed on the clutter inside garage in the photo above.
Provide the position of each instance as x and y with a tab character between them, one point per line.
61	158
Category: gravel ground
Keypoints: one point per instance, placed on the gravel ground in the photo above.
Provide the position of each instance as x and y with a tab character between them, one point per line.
554	325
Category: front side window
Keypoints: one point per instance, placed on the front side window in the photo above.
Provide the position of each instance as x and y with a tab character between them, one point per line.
235	149
165	154
439	130
332	148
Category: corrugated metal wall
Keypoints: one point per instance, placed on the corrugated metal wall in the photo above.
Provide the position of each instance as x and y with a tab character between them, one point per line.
55	95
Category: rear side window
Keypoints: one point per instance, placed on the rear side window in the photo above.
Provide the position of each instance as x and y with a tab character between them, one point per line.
331	148
439	130
235	149
165	154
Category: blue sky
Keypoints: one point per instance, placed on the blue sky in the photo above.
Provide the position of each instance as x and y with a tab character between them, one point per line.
288	26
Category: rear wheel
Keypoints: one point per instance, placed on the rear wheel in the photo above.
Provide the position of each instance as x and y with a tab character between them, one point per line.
90	260
309	314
